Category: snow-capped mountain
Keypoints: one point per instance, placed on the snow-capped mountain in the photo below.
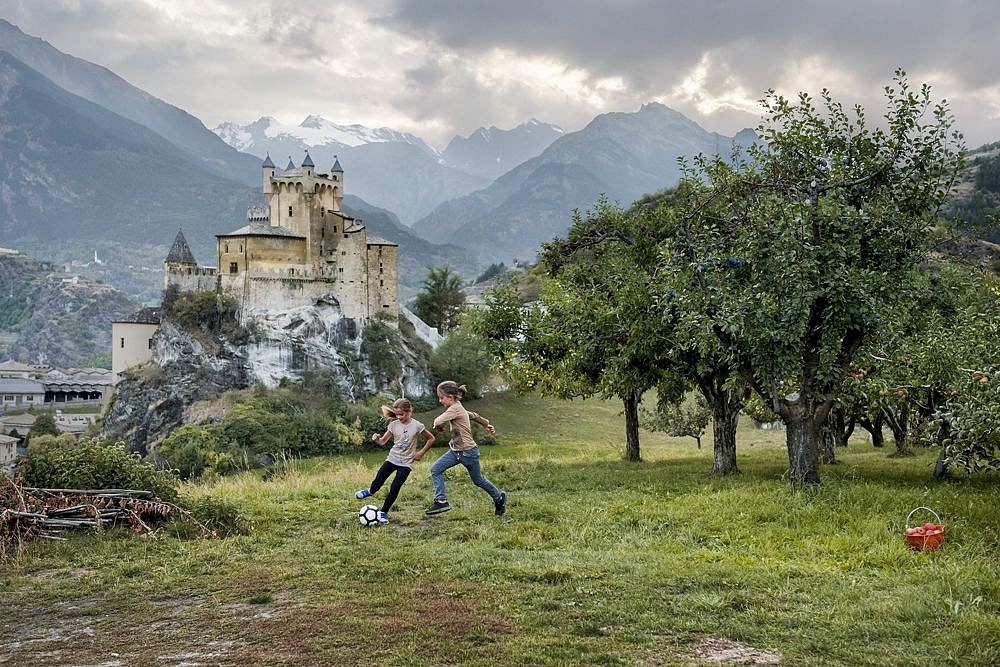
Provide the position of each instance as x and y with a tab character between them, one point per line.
266	134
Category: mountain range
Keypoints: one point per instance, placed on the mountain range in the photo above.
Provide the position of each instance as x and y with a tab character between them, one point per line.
390	169
621	155
91	165
79	179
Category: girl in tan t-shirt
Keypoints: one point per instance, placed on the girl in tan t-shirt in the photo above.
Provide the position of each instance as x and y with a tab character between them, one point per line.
462	449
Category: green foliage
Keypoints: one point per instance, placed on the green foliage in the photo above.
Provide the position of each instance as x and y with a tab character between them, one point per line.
193	449
442	300
13	311
988	174
971	423
793	256
382	344
95	464
204	312
492	271
223	517
462	357
689	418
47	441
45	424
309	418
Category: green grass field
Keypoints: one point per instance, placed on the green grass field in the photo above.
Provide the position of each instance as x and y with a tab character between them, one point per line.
597	562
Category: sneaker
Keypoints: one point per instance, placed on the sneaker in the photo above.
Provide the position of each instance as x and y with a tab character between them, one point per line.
438	507
383	518
363	493
501	503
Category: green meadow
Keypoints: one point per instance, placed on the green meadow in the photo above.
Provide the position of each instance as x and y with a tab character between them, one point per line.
597	562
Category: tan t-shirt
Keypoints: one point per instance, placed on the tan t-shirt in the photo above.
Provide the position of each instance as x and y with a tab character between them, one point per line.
461	427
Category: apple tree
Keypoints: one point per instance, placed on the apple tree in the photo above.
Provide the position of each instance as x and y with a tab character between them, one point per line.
793	253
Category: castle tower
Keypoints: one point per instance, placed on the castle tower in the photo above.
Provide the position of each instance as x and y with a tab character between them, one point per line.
308	166
337	176
180	259
268	173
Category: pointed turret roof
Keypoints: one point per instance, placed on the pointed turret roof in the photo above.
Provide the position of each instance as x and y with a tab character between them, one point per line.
180	252
308	162
291	165
267	161
336	165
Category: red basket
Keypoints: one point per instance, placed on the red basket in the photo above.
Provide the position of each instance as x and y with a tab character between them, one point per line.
921	537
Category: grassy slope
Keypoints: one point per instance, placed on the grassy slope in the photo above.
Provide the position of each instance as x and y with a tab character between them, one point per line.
597	562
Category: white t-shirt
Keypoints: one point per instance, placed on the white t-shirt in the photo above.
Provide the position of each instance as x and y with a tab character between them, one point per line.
404	442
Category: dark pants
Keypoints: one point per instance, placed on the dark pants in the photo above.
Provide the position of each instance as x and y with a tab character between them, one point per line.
383	473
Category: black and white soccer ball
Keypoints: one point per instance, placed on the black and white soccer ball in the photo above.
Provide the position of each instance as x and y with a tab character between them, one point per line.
368	515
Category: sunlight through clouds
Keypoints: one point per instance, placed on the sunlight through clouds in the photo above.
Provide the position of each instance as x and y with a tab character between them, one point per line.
547	77
710	94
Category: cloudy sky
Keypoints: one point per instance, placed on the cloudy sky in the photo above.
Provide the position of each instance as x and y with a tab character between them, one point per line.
443	67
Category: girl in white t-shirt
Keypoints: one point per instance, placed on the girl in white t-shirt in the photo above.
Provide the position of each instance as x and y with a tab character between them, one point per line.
404	431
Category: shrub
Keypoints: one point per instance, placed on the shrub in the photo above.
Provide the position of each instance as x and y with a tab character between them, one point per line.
95	464
219	515
462	357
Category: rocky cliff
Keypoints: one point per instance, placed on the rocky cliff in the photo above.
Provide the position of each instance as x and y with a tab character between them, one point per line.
154	399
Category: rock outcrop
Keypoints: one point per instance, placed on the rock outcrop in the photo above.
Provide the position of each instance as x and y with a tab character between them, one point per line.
154	399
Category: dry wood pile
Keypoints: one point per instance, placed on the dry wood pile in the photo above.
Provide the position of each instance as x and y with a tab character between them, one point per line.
27	513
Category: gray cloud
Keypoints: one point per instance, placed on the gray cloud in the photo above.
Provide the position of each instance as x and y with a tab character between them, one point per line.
441	67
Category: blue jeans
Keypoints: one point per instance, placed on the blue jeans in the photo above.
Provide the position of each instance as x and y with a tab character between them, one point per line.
470	460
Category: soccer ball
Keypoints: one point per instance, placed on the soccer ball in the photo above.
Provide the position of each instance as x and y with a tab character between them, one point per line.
368	515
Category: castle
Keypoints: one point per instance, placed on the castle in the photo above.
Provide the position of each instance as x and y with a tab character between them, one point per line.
296	251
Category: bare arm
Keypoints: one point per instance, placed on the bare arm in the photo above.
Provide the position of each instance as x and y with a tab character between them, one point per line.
427	445
384	439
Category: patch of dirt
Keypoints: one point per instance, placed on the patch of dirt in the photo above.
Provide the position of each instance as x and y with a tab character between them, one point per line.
722	651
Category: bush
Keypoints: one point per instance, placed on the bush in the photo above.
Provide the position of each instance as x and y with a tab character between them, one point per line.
462	357
95	464
381	343
192	450
217	514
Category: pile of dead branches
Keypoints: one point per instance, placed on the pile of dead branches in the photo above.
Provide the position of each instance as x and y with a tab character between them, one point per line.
27	513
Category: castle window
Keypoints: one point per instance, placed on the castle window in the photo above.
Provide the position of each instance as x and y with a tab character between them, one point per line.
334	177
233	267
241	247
345	236
385	305
123	343
291	272
341	270
322	233
381	283
343	252
322	210
227	247
380	269
289	211
149	343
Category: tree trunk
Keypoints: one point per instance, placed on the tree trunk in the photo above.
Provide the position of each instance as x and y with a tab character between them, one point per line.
724	420
941	465
842	425
874	428
899	424
632	426
802	438
827	454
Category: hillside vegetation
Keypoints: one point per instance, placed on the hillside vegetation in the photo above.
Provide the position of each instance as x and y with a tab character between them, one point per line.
597	562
